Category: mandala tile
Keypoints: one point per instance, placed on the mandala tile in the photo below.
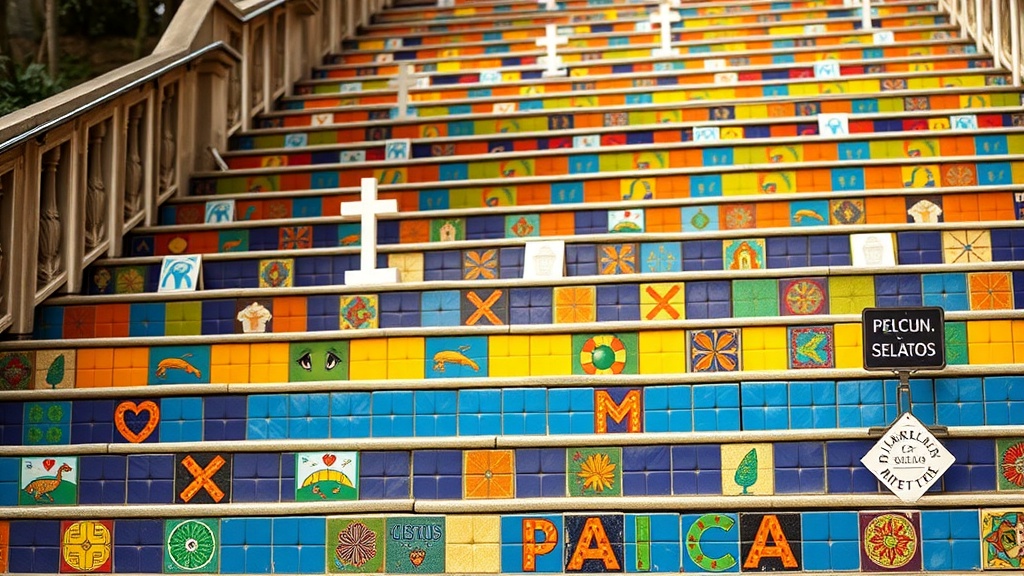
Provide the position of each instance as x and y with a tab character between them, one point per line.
318	361
743	254
1001	539
748	469
714	350
480	264
890	541
662	301
489	474
924	209
254	316
916	103
326	476
48	481
17	370
616	119
803	296
46	423
277	273
990	290
811	347
192	545
447	229
605	354
594	471
86	546
959	175
737	216
415	545
100	280
661	257
966	246
770	542
130	280
202	478
55	369
575	304
699	218
409	265
295	238
355	545
617	259
522	226
1010	452
358	312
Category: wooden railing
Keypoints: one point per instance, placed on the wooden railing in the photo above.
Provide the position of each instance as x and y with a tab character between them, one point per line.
80	169
996	28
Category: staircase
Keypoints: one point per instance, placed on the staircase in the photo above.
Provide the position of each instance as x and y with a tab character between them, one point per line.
687	397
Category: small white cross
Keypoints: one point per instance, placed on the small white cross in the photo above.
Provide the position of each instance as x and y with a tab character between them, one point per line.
551	41
368	208
547	4
406	79
664	18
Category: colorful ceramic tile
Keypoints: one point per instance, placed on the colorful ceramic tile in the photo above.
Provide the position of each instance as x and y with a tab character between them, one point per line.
326	476
615	259
770	542
254	316
748	469
355	545
699	218
712	542
587	141
920	176
480	264
409	265
492	196
218	211
48	480
489	474
543	259
803	296
296	140
924	210
358	312
737	216
594	543
1001	539
46	423
811	347
137	422
522	226
295	238
179	365
714	350
86	546
575	304
833	124
55	369
447	229
98	280
352	156
129	280
890	541
532	543
959	175
629	221
605	354
652	543
777	182
318	361
706	133
456	357
177	244
809	213
618	410
846	211
1010	455
277	273
594	471
192	545
415	544
485	307
616	119
872	249
202	478
743	254
665	301
990	290
966	246
660	257
399	149
17	370
180	273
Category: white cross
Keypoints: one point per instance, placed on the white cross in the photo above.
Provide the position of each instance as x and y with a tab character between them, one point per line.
664	18
368	208
406	79
547	4
551	41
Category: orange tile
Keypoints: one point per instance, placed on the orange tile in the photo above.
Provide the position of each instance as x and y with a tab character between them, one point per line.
410	231
885	210
772	215
557	223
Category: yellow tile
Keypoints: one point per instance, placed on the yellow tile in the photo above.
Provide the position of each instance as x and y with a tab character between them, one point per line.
662	352
764	348
849	353
229	363
551	355
268	363
406	359
758	469
509	355
368	359
662	301
473	545
850	294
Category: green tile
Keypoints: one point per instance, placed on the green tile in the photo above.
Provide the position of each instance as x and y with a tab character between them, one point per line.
956	343
594	471
755	298
851	294
605	354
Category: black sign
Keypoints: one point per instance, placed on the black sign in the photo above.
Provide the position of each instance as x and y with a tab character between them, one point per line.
904	338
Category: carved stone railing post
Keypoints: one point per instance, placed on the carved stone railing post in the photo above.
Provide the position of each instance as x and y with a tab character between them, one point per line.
256	75
168	139
96	191
133	168
3	276
50	233
279	51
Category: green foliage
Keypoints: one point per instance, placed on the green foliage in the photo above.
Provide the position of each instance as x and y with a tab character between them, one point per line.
26	85
55	374
95	18
746	472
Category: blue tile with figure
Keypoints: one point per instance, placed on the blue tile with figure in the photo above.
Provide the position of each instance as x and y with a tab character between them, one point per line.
179	365
456	357
532	543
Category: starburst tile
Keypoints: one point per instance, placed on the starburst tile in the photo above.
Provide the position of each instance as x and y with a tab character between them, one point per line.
594	471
